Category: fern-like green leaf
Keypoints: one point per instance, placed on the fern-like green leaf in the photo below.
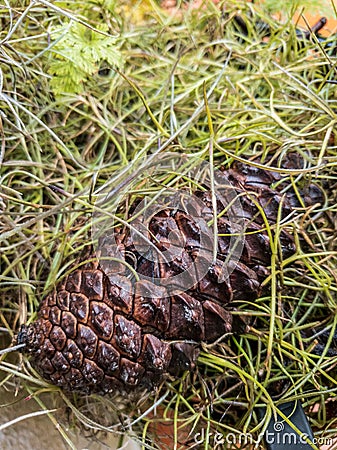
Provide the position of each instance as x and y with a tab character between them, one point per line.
77	56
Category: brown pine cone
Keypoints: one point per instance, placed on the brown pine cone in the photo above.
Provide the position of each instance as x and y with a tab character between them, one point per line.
101	331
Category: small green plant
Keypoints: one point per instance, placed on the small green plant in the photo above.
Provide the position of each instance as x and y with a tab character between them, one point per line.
78	54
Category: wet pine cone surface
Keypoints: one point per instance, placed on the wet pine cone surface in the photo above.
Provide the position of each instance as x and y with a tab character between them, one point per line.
97	333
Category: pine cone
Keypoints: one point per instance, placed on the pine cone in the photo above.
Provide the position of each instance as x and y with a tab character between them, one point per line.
97	333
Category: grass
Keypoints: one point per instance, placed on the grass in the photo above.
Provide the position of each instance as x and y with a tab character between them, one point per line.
192	85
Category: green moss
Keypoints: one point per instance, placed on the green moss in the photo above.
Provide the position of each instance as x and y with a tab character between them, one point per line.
70	121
